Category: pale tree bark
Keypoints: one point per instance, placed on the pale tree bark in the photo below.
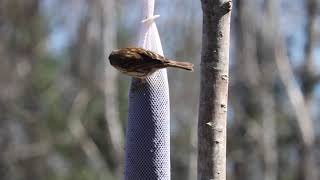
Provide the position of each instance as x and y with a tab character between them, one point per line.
110	84
214	90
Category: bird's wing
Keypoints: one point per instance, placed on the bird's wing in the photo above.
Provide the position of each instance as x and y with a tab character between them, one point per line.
151	56
141	59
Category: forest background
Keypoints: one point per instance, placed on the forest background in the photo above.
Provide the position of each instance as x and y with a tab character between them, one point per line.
63	109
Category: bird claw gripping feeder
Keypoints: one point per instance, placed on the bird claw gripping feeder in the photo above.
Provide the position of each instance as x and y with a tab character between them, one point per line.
148	130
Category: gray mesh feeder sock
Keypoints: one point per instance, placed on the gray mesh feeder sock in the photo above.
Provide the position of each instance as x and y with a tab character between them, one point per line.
148	130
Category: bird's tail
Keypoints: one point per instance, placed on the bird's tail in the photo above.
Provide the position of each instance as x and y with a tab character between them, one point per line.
182	65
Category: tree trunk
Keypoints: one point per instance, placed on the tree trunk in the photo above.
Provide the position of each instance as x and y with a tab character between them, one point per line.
214	90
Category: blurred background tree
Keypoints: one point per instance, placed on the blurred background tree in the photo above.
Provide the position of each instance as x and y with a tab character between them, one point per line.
63	110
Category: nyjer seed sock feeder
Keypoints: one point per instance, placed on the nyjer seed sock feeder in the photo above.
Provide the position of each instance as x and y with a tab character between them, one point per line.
148	130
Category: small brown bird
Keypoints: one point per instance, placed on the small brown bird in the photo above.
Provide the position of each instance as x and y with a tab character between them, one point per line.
140	63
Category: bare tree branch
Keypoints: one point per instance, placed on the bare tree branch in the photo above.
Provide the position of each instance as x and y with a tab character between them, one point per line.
214	90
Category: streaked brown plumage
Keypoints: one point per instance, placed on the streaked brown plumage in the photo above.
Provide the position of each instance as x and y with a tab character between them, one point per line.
140	63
